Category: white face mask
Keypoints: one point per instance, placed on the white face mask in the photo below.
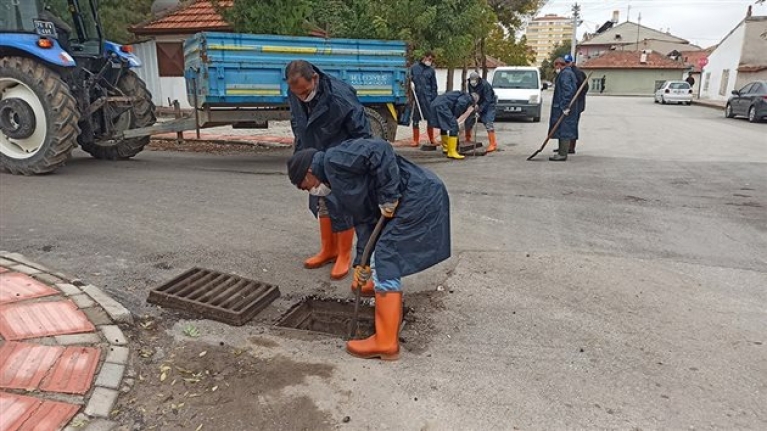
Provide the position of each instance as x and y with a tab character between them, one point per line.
473	82
311	95
557	70
320	190
427	63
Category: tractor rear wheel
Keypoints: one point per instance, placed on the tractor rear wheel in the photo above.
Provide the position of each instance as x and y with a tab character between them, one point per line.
38	117
140	115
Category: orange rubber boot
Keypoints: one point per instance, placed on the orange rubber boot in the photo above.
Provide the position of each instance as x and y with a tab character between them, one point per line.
344	241
416	137
493	145
430	133
384	343
327	246
368	290
467	135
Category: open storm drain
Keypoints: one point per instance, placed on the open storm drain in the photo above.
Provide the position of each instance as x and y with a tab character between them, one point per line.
328	316
225	297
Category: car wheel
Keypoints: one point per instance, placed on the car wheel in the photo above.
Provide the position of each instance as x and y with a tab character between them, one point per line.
655	100
662	100
728	111
752	115
689	103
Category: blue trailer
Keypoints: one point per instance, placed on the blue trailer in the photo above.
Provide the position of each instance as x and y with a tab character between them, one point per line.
238	79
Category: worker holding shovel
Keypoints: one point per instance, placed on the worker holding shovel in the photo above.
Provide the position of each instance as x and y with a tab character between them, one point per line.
423	80
565	90
370	180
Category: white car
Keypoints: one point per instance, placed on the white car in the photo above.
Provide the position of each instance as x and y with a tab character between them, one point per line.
518	92
674	92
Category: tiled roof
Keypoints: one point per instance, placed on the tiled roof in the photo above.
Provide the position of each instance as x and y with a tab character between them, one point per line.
628	33
630	60
190	17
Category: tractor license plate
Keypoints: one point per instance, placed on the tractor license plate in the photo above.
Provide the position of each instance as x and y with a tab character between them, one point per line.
45	28
513	109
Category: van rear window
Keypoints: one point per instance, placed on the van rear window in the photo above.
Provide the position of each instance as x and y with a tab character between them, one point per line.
524	79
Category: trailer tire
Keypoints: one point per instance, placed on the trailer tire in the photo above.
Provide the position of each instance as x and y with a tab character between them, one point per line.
391	122
377	124
142	115
37	92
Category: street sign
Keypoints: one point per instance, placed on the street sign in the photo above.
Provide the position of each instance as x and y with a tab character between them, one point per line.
702	62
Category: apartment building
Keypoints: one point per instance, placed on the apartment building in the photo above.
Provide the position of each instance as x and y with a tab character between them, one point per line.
546	32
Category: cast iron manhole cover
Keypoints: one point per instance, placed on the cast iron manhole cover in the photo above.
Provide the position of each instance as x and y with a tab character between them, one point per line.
328	316
215	295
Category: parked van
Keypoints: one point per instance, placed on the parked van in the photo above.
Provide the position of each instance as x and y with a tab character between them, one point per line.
518	90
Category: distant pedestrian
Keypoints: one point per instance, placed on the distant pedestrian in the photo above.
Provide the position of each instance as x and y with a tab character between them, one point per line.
690	80
565	88
602	84
423	76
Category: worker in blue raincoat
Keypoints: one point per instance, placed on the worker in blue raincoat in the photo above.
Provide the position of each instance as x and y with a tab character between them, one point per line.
447	109
424	78
370	180
485	108
580	77
565	87
325	111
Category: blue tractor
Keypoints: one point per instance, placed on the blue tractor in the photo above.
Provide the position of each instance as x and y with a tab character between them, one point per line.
62	85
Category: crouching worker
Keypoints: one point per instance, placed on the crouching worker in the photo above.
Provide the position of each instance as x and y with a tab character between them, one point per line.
369	181
449	110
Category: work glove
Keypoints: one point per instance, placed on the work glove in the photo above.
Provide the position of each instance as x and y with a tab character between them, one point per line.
566	112
361	275
387	209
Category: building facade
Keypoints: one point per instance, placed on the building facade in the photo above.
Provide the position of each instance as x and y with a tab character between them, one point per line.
545	33
631	73
738	60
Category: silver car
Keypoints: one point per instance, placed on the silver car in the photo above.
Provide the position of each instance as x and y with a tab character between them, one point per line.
674	92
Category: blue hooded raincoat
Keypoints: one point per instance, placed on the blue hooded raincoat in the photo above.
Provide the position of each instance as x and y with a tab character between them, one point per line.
333	116
566	86
366	173
448	107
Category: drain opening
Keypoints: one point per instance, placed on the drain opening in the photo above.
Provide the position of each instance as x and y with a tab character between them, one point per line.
328	316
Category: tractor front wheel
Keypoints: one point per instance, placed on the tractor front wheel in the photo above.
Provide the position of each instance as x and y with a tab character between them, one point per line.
38	117
141	114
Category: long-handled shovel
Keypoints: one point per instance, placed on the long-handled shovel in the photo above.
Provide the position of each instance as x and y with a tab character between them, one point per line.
365	261
561	117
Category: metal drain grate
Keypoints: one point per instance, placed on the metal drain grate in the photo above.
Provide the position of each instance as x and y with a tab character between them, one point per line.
328	316
224	297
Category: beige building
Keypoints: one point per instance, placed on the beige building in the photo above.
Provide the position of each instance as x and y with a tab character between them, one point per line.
545	33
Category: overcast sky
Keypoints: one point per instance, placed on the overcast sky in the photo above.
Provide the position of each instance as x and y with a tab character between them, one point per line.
702	22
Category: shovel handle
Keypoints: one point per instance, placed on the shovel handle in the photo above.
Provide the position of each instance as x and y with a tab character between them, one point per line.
365	261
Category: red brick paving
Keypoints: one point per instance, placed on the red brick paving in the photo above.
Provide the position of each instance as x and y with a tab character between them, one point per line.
24	365
20	413
31	320
15	287
73	373
3	269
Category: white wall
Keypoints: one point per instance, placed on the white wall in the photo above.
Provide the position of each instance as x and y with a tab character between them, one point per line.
725	57
161	88
442	78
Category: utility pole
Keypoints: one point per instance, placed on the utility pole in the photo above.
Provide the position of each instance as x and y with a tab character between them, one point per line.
576	23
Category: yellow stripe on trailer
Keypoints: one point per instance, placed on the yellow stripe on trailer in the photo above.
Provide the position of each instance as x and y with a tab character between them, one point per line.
392	111
374	92
289	49
230	48
251	92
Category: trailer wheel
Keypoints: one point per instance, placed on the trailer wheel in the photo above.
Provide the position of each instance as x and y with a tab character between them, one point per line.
38	118
377	124
141	115
391	123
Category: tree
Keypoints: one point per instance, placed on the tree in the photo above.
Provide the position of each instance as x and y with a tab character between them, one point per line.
510	14
281	17
117	16
505	48
547	67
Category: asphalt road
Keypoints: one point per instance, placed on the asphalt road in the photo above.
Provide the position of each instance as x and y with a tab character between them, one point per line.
623	289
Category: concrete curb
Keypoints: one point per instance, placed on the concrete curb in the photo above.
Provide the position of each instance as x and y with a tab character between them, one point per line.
708	104
112	374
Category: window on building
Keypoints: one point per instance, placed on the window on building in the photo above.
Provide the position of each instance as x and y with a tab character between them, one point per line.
706	80
725	82
170	59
